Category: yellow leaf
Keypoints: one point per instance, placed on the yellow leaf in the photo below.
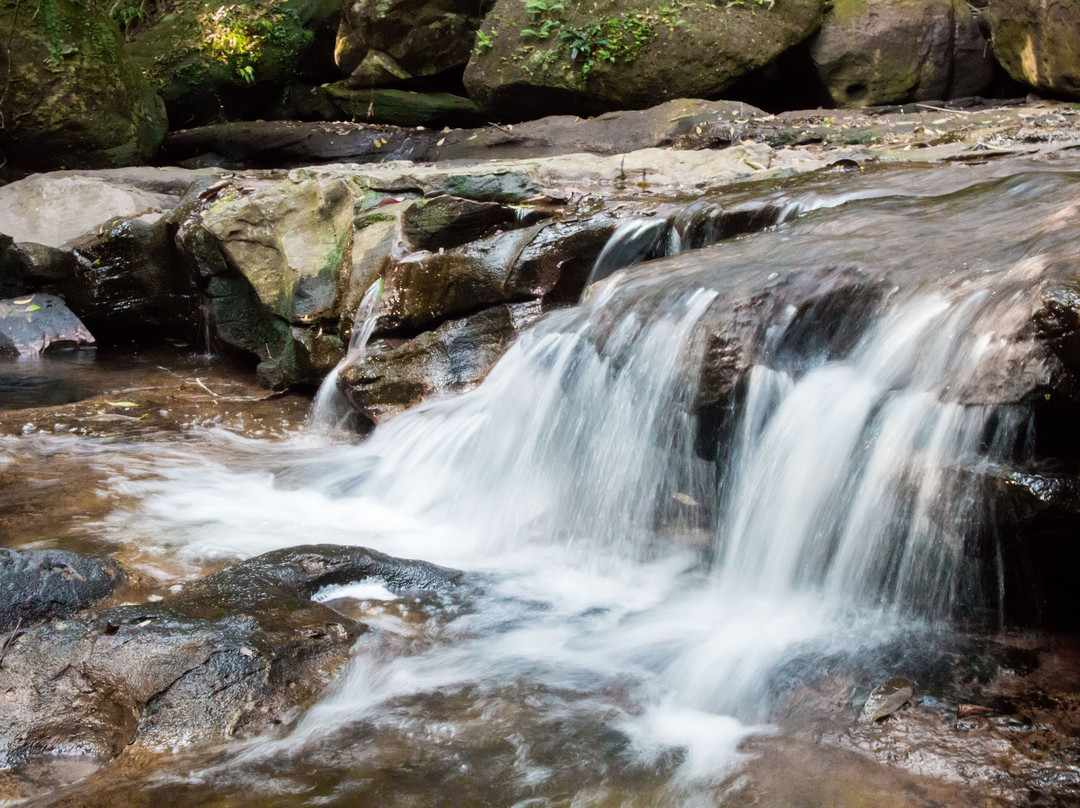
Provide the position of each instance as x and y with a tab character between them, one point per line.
121	403
32	308
23	301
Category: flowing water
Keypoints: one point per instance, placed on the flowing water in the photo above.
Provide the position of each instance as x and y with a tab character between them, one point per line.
640	587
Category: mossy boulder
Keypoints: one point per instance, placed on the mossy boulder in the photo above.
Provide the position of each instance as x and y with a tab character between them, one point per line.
541	57
73	97
1038	43
386	41
403	107
894	51
210	59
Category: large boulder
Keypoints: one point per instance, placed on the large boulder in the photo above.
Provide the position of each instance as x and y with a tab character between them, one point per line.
542	58
386	41
209	60
73	96
1038	43
893	51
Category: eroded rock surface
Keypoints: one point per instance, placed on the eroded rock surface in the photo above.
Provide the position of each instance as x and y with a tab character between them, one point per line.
230	653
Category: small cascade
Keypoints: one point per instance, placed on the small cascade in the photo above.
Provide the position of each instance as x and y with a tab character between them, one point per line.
330	409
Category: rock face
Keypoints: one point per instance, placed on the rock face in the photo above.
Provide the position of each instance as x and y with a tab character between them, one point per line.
395	375
209	59
532	59
231	653
37	323
1038	43
38	585
400	107
75	98
386	41
893	51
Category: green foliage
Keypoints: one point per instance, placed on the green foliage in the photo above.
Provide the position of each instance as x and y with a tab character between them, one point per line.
484	42
613	39
129	13
741	3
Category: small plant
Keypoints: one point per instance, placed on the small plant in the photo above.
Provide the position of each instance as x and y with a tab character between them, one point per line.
542	32
484	42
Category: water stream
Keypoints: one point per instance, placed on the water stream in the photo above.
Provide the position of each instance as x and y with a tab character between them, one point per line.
634	594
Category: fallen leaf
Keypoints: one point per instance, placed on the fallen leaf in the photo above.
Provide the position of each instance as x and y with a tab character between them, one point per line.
23	301
33	308
121	403
970	710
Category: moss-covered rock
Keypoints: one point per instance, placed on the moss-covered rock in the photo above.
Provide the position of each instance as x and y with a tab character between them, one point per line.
72	97
893	51
1038	43
543	57
209	58
385	41
403	107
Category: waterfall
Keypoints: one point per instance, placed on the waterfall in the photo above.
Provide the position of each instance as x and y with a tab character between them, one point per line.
330	409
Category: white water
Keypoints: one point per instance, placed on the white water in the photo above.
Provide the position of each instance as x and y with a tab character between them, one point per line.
330	410
614	562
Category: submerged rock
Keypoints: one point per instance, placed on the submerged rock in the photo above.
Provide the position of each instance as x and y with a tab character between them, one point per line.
38	585
231	653
37	323
73	96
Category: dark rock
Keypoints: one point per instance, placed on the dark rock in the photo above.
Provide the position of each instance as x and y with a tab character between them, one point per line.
872	52
596	57
1038	43
231	653
386	41
128	286
424	288
394	375
398	107
38	585
74	98
277	143
209	60
38	323
445	222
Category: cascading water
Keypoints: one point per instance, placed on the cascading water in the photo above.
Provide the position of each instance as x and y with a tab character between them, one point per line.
330	410
636	584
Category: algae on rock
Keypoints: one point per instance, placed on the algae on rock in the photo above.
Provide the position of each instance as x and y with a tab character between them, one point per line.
72	97
535	59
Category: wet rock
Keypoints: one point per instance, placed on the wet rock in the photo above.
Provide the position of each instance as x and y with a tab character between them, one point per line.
1038	43
887	698
396	374
403	107
231	653
129	287
37	323
386	42
594	58
38	585
872	52
74	97
449	221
